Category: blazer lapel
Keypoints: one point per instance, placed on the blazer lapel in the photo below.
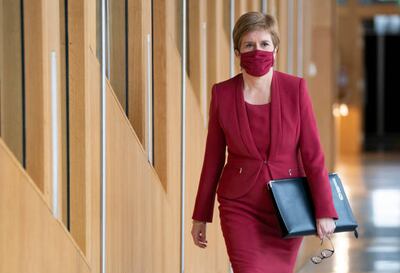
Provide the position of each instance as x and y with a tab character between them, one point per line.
244	126
276	116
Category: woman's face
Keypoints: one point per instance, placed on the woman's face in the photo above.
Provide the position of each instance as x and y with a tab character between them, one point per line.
257	39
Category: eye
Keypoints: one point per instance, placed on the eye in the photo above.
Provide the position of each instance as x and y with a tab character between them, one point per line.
248	45
265	44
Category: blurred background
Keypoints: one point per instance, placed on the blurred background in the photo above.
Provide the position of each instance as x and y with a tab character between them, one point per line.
99	168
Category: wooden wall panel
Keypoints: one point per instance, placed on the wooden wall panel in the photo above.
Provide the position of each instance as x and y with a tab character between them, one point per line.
92	158
217	46
117	49
272	7
139	16
78	69
295	37
142	219
34	84
11	93
254	5
1	61
32	240
194	68
214	257
282	17
160	42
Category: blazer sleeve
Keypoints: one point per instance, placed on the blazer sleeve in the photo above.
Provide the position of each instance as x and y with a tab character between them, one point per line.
313	158
214	160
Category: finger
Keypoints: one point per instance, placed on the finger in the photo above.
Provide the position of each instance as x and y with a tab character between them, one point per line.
196	238
203	244
319	231
202	236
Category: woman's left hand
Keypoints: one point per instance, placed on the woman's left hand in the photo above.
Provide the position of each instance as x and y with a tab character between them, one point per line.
325	227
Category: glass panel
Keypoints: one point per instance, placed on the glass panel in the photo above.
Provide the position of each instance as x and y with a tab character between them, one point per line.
12	121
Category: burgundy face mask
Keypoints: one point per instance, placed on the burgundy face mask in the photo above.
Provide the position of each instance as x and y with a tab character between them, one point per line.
257	62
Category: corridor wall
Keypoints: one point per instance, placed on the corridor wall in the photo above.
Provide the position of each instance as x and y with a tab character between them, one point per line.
143	227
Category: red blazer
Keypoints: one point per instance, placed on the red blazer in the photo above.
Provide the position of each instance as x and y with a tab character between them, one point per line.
295	148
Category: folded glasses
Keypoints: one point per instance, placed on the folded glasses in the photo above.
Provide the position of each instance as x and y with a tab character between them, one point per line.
325	253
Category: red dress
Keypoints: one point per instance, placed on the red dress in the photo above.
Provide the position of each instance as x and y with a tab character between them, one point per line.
252	216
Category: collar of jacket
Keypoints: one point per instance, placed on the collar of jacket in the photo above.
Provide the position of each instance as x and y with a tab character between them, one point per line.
276	118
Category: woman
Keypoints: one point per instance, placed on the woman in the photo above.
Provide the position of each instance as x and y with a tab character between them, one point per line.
265	118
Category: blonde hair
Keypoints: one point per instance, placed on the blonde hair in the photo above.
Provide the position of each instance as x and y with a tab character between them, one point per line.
254	20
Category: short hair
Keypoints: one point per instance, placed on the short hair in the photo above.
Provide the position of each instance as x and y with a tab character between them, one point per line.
252	21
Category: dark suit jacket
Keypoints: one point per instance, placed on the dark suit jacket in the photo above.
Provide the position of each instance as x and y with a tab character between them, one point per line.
295	148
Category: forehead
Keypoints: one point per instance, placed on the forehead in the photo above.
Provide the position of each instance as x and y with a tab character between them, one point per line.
257	35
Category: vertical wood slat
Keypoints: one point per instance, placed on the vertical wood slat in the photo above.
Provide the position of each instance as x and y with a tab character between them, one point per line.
1	61
194	46
11	106
78	45
34	79
282	17
139	18
160	39
254	5
117	49
272	7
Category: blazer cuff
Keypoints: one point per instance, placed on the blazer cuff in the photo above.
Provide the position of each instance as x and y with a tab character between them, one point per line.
330	213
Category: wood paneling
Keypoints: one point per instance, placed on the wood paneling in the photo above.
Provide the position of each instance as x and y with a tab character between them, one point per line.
214	257
217	44
167	93
142	221
254	5
1	60
195	48
139	18
34	85
32	240
272	7
160	43
92	157
282	17
78	69
117	49
11	93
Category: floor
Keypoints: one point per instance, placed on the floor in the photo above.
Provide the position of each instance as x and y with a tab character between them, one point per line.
372	185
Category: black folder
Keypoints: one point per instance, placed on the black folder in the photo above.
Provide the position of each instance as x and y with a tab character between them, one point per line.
295	210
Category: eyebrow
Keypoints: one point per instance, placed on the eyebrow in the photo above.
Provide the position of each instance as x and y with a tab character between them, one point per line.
251	42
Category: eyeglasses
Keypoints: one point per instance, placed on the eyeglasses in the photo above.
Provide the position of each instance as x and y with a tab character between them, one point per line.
325	253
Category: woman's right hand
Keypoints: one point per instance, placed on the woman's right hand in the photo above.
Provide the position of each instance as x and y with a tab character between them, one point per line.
199	233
